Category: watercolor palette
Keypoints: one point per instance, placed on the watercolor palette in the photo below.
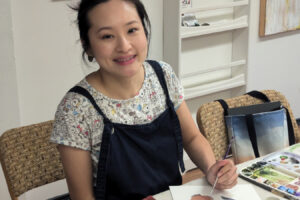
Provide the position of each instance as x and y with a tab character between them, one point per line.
279	171
295	149
285	160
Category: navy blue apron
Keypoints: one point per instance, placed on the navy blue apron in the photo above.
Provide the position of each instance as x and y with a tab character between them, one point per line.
139	160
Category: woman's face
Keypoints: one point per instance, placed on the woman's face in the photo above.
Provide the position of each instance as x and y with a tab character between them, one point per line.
117	38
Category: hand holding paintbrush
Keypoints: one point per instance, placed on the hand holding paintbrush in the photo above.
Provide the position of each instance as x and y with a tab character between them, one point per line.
226	154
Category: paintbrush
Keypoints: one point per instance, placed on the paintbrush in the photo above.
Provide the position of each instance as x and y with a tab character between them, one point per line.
226	154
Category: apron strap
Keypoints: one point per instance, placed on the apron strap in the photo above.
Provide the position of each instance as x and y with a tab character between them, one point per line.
103	161
85	93
160	74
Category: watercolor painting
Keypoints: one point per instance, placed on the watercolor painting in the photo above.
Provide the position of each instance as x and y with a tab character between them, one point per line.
243	191
277	16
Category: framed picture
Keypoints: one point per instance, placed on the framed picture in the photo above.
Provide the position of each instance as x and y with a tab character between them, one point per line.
277	16
186	3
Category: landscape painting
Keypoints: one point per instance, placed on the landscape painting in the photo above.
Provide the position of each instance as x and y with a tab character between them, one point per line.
277	16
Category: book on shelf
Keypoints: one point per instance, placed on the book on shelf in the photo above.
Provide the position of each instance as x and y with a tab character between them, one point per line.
186	3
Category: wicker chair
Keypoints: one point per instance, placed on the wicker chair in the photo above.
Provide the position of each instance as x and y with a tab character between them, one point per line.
210	119
28	159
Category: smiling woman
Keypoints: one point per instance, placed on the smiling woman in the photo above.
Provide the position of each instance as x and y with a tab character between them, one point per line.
119	45
121	130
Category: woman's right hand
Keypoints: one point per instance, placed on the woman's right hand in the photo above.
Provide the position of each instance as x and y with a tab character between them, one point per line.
226	171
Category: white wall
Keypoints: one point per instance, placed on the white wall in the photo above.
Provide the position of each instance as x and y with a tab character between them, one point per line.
47	56
8	82
9	105
274	62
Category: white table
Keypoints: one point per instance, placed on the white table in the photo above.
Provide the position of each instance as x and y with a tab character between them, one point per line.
264	194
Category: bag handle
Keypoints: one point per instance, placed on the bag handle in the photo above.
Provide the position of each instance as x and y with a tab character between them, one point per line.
252	134
290	127
224	105
258	95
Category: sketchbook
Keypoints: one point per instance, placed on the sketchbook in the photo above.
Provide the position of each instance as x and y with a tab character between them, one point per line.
238	192
279	171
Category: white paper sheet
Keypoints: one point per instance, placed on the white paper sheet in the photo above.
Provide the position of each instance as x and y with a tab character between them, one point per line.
185	192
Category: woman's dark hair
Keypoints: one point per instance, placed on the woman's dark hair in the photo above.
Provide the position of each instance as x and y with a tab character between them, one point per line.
85	6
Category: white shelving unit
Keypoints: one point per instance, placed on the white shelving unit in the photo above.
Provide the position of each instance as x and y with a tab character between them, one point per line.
187	32
211	58
214	6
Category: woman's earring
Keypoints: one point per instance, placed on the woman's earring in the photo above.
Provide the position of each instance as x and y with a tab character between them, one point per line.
90	58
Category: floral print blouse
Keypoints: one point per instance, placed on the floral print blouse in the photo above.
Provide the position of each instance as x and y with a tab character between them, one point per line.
78	124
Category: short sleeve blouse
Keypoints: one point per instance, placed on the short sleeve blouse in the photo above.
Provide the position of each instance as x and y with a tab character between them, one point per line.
77	123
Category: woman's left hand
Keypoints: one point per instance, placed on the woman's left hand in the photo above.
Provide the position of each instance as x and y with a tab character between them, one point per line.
226	171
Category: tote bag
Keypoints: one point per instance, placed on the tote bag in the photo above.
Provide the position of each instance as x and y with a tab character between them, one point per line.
258	129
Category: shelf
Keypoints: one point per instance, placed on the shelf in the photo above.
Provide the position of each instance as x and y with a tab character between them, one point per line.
187	32
216	6
217	13
216	68
208	59
218	86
